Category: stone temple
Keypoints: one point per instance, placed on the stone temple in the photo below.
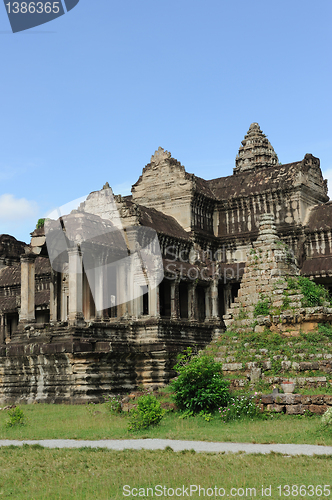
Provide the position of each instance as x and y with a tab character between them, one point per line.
59	341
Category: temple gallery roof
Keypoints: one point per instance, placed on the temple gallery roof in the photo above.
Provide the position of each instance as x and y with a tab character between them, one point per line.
262	179
11	275
320	218
160	222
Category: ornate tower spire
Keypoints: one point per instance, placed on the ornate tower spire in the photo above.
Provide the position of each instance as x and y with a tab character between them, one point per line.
255	151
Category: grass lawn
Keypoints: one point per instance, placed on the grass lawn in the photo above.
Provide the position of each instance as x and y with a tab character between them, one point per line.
97	474
32	472
95	422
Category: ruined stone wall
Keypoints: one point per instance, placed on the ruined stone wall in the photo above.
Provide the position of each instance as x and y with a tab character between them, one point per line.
65	364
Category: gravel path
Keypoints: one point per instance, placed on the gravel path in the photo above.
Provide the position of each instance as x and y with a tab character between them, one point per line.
177	445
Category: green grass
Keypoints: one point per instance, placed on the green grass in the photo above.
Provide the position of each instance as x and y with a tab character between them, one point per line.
102	474
79	422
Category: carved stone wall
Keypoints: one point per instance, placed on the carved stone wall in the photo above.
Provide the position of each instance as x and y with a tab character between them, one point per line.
165	186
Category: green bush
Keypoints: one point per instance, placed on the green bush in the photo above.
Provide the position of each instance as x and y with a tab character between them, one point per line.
200	385
313	294
147	412
242	407
16	417
262	308
40	223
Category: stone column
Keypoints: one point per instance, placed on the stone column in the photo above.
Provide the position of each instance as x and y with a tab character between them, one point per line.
2	328
54	298
75	316
214	299
27	314
192	305
121	287
99	294
6	329
175	306
154	305
207	296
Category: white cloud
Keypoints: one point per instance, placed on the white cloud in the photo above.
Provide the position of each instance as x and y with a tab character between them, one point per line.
16	209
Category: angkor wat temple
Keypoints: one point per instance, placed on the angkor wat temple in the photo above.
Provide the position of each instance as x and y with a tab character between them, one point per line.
60	342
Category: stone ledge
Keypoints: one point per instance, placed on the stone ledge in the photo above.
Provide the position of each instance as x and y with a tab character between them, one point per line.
295	404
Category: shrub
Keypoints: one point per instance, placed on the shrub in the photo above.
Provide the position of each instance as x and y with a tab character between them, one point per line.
327	417
147	412
313	294
200	385
16	417
240	408
40	223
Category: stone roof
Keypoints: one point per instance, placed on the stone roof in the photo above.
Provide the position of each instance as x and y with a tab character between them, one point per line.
202	186
320	218
11	275
160	222
251	182
10	247
318	266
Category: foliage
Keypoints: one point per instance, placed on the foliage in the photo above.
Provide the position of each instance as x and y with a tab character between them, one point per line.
311	337
40	223
148	412
327	418
313	294
16	417
262	308
243	407
325	329
113	404
285	302
200	385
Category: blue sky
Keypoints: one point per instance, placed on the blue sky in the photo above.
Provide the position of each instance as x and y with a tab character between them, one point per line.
89	97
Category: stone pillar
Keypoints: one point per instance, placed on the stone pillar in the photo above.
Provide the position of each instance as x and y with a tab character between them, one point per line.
121	287
214	299
99	295
192	305
2	328
154	305
75	316
6	329
175	305
27	314
54	298
207	296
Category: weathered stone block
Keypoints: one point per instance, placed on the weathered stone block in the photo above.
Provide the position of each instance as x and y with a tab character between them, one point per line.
305	365
317	400
267	399
294	409
319	409
232	367
267	365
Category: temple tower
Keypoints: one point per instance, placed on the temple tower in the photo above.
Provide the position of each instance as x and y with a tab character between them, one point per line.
255	151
